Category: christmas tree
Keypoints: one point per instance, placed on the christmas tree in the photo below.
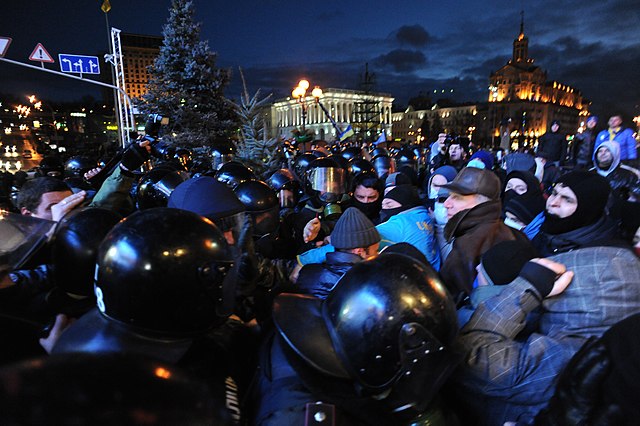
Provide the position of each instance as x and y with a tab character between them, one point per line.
186	85
264	155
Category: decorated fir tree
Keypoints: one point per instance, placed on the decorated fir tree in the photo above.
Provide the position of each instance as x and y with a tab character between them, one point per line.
186	85
254	148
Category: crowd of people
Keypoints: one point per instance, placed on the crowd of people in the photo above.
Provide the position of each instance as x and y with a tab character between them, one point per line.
432	285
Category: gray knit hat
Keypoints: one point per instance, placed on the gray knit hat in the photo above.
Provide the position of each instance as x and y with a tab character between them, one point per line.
354	230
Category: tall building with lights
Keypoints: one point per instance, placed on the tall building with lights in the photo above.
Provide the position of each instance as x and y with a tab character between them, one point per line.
520	91
139	52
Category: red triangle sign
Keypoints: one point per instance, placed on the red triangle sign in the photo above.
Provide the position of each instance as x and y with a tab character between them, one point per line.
40	54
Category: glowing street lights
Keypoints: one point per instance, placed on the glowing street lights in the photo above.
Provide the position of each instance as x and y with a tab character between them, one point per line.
299	93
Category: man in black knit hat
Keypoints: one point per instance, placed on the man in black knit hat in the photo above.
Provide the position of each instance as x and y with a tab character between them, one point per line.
355	238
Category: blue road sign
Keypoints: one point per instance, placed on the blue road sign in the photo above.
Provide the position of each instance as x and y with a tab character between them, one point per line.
79	64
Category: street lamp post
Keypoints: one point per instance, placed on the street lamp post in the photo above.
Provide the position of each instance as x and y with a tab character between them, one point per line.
299	93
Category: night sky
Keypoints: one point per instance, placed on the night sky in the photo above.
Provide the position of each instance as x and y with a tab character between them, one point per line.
411	46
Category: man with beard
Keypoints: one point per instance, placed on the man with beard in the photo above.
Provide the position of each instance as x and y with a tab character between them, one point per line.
575	215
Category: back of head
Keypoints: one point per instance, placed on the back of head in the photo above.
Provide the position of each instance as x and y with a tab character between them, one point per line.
74	248
354	230
520	161
207	197
502	262
83	389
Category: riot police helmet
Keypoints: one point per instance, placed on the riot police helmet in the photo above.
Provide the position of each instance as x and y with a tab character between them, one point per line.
261	203
74	250
78	165
155	186
51	166
389	326
234	173
358	165
301	165
352	153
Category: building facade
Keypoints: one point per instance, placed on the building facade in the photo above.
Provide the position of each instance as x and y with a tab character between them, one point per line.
522	100
139	52
416	126
344	106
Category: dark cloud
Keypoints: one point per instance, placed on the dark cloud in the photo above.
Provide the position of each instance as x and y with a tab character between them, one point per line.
413	35
402	60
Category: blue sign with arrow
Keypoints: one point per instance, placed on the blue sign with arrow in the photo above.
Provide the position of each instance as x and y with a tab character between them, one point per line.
79	64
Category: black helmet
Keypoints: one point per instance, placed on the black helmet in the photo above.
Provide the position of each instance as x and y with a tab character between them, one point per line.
78	166
156	186
74	248
200	165
358	165
352	153
184	158
318	153
388	325
327	177
383	165
343	162
301	165
284	180
109	388
379	151
234	173
261	203
406	157
222	151
51	166
162	271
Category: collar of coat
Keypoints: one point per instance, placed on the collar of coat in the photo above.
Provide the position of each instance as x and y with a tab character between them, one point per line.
463	221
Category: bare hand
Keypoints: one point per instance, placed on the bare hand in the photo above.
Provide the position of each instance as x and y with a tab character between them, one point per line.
311	230
66	205
62	322
563	277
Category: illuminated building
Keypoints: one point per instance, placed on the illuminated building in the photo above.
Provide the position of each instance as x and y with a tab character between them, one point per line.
139	52
343	105
520	91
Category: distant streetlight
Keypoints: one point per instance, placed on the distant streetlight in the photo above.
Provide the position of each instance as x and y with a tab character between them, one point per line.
299	93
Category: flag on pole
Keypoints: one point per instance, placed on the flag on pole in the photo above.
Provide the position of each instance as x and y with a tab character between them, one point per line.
347	133
106	6
382	138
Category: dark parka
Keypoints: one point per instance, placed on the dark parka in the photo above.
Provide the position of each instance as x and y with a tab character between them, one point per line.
473	232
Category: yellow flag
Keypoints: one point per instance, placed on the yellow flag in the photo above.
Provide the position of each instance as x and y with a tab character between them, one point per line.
106	6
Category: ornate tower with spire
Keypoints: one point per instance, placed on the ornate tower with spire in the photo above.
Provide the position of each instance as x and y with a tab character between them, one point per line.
521	44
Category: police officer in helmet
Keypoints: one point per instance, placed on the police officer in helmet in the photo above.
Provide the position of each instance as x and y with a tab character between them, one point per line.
165	280
376	351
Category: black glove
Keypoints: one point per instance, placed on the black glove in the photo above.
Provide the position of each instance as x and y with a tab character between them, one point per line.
540	277
133	157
